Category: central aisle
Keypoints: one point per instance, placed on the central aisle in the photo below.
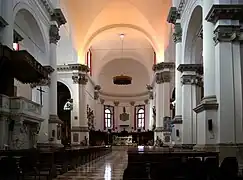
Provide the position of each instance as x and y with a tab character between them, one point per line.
110	167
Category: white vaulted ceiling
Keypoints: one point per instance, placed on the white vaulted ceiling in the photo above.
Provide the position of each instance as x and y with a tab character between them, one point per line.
96	24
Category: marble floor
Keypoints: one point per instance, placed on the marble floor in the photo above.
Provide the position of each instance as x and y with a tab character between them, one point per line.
109	167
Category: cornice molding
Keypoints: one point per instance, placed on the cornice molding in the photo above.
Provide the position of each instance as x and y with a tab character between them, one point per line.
163	65
73	67
124	95
225	11
198	68
173	15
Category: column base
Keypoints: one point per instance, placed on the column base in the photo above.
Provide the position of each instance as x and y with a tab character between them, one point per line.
225	150
206	121
80	135
54	129
165	136
177	130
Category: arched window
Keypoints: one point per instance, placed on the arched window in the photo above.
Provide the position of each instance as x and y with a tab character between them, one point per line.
140	118
89	61
16	46
108	118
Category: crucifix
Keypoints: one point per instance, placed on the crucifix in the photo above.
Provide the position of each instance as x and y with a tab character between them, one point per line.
41	95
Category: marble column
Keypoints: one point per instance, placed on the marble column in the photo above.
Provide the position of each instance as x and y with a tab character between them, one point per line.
163	76
97	109
54	121
151	98
80	131
177	121
116	111
190	79
223	129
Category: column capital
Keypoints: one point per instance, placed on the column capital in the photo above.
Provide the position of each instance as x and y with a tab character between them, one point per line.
116	103
198	68
58	16
49	69
132	103
54	34
162	77
191	80
224	11
96	95
146	101
177	35
80	79
151	95
97	88
163	65
227	33
173	15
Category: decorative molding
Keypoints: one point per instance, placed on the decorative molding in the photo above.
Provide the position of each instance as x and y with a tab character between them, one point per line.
177	35
132	103
73	67
54	119
227	34
80	129
151	95
49	69
173	15
159	129
42	82
207	103
54	34
149	87
163	77
58	16
191	80
225	11
200	32
116	103
163	65
102	101
17	37
80	79
123	95
198	68
3	23
48	6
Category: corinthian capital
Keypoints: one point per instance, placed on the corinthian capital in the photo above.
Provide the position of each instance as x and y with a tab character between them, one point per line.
54	34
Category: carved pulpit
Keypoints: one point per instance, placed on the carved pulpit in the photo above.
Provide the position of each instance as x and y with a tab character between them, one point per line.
124	116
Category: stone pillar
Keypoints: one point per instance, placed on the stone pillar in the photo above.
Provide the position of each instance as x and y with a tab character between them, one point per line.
177	121
151	97
132	103
163	76
54	121
116	112
190	79
102	101
223	130
80	131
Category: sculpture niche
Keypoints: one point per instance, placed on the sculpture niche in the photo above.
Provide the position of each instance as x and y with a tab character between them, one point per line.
90	117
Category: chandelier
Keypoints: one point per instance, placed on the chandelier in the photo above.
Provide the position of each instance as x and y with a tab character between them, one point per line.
122	80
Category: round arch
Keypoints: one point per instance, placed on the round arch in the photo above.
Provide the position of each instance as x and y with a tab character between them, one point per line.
189	12
112	26
67	85
24	6
191	38
129	55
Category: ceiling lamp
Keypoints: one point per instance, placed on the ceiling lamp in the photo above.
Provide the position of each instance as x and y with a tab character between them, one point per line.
122	80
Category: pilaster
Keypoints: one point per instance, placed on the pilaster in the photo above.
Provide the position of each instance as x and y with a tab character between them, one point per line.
116	112
190	80
163	77
80	131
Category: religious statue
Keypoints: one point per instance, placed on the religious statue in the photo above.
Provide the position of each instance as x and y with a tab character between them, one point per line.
90	117
68	105
154	118
124	116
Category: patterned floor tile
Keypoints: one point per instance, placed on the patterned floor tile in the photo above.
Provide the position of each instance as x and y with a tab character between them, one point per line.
110	167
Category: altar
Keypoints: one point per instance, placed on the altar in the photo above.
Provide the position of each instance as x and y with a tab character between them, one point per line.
123	140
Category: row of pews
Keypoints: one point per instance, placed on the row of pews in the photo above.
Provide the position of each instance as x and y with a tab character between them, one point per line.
46	163
159	163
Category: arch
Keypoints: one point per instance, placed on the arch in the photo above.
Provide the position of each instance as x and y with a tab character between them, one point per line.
173	96
67	85
112	26
191	37
188	12
63	96
24	6
111	57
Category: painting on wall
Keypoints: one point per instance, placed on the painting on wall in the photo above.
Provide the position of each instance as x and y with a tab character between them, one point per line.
124	116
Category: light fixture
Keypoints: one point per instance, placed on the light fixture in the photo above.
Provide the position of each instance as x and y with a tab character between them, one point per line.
122	80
